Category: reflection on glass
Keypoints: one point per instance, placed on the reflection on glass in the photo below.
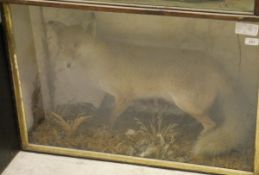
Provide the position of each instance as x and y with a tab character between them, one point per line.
166	88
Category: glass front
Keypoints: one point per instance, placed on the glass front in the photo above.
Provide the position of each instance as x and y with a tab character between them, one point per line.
156	87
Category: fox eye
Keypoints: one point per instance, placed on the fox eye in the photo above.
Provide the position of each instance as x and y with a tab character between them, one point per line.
68	65
75	45
61	47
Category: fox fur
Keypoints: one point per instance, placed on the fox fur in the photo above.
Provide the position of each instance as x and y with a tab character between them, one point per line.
192	84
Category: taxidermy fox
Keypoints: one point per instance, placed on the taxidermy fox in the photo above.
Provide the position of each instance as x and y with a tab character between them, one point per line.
192	84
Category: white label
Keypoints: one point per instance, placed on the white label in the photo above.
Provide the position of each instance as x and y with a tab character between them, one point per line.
246	29
252	41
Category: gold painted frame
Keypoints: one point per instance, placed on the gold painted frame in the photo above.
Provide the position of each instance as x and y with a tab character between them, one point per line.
7	19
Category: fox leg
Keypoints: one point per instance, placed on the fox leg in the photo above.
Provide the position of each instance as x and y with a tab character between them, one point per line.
198	110
203	118
205	121
120	105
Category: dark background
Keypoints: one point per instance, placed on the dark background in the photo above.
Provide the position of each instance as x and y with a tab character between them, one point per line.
9	142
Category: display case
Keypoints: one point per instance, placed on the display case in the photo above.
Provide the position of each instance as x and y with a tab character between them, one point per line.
171	84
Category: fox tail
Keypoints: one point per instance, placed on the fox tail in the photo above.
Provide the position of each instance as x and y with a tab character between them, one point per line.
235	129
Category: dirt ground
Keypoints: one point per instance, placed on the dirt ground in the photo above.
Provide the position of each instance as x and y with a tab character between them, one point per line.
156	135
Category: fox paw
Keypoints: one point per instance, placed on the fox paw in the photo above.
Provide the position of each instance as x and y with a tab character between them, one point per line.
208	129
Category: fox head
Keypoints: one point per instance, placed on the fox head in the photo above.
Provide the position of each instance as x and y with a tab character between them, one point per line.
71	41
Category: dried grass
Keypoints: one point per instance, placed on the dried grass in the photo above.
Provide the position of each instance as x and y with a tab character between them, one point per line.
70	127
155	138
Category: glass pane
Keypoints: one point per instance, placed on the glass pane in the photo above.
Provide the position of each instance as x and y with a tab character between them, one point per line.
164	88
204	5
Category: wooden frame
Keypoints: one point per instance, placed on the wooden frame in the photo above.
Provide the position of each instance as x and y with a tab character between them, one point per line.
256	8
146	9
105	156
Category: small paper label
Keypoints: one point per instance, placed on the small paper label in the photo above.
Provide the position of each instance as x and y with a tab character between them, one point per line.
246	29
252	41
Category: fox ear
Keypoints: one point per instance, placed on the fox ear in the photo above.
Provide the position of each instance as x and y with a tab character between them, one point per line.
90	27
57	26
55	29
